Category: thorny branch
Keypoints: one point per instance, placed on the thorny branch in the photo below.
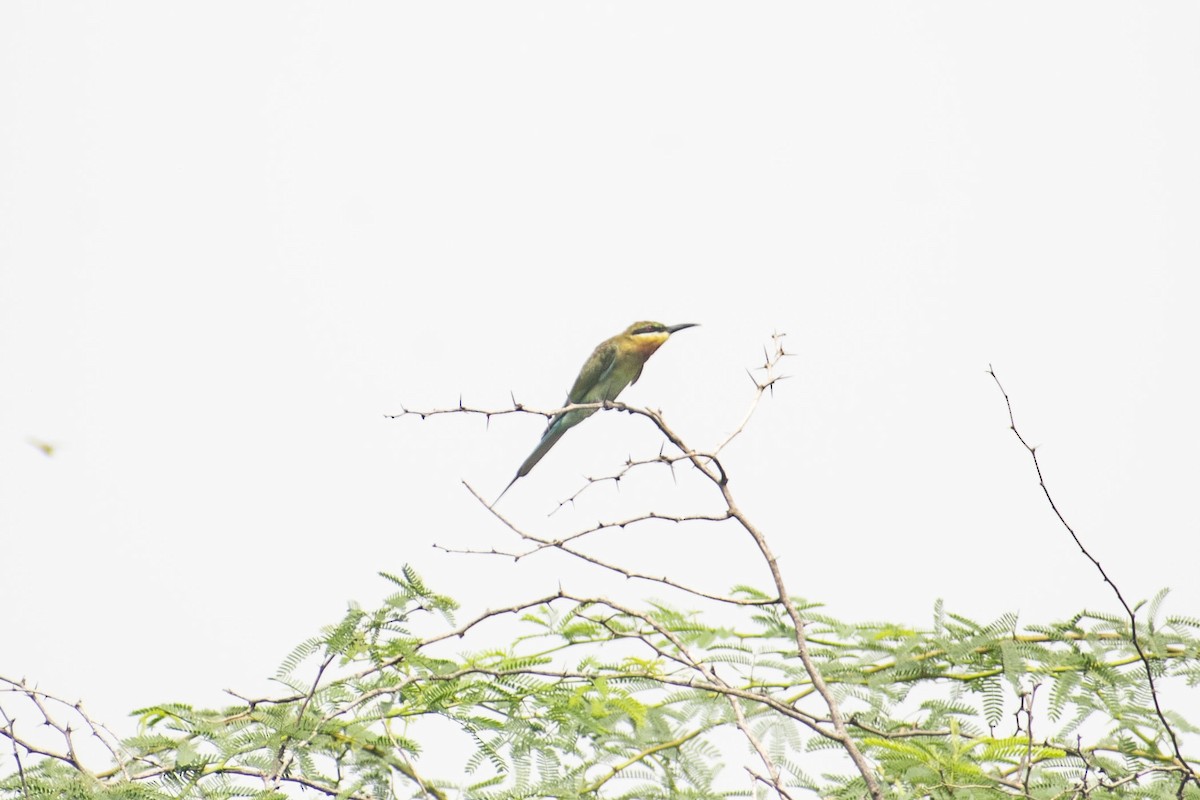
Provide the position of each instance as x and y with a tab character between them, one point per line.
709	466
564	545
65	729
10	730
1188	773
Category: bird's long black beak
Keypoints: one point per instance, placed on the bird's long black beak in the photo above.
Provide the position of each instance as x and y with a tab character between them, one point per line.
681	326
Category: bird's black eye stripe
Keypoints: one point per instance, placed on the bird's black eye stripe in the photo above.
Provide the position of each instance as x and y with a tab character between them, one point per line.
648	329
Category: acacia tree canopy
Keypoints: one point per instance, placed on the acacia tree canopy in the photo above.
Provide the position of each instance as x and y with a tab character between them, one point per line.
623	697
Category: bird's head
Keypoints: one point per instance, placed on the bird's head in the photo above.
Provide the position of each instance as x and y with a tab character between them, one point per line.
656	329
651	335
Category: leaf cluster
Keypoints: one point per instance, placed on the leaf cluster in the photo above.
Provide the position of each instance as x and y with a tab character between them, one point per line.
595	700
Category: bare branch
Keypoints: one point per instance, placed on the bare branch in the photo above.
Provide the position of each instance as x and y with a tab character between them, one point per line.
770	364
75	713
1190	771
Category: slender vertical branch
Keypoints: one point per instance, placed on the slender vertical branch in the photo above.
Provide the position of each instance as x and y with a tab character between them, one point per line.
10	731
841	733
283	758
1026	708
1189	772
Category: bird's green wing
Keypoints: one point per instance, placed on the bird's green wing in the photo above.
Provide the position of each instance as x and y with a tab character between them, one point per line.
593	373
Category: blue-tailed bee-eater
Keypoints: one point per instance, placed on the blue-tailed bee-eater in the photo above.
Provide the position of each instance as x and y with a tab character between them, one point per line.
613	365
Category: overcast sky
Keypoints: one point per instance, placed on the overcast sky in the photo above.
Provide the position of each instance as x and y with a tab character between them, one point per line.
233	236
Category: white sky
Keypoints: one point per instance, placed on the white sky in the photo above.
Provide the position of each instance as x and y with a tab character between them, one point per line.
233	236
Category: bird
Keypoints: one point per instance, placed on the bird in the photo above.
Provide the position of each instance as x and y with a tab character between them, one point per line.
614	364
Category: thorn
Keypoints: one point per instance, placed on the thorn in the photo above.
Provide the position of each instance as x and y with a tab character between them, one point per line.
487	422
460	404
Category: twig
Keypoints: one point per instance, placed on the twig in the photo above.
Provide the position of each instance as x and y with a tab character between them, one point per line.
638	757
770	362
563	545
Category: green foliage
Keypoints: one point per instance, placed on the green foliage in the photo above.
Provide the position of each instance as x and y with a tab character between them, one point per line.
596	700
